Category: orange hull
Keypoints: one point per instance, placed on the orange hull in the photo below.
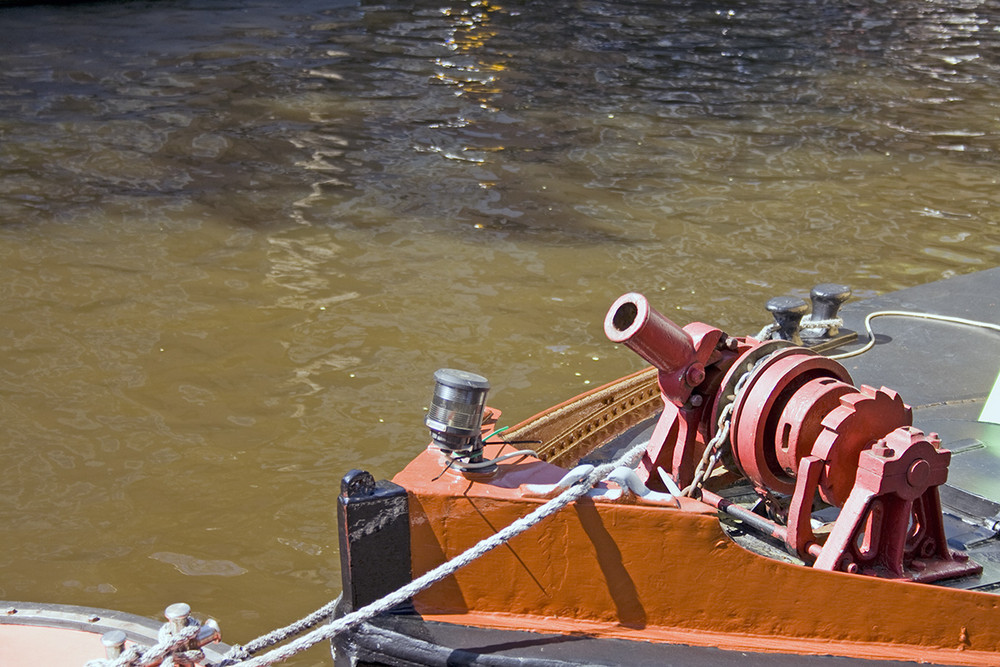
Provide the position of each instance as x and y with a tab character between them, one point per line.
667	575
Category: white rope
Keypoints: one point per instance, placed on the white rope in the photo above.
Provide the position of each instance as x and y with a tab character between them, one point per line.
807	324
766	332
904	313
242	652
154	655
355	618
804	325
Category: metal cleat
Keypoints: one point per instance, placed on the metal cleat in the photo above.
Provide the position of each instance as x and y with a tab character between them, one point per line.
574	476
827	298
630	485
788	312
180	621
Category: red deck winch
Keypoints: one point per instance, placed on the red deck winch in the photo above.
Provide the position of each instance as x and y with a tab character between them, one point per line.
797	429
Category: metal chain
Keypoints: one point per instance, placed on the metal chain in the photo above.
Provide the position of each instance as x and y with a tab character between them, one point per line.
713	450
711	454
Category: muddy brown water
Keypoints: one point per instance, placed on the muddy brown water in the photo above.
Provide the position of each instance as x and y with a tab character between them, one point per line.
238	237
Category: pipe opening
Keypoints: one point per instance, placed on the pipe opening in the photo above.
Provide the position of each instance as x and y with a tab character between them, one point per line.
625	316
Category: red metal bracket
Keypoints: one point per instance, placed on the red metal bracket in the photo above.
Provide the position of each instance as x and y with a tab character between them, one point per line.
891	524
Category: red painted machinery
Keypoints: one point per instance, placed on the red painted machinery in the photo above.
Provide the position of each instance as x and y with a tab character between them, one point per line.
792	422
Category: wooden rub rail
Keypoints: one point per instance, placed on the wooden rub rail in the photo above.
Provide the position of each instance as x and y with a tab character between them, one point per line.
572	429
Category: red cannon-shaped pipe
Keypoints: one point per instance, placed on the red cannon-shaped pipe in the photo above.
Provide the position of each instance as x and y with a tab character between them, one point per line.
633	322
679	354
682	356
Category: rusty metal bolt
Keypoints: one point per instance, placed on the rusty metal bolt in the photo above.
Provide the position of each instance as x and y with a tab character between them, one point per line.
882	449
694	375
